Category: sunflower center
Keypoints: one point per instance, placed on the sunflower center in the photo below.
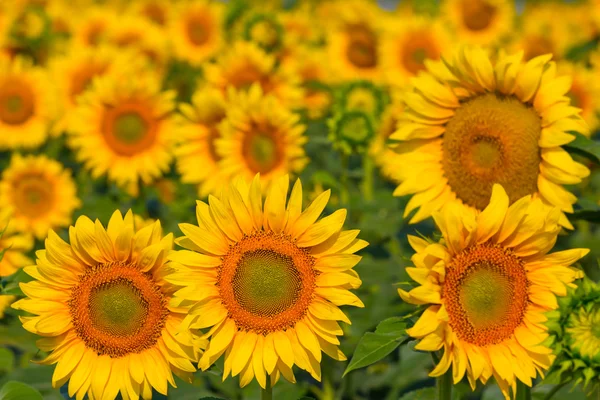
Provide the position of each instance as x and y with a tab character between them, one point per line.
538	45
265	33
117	309
156	13
198	30
492	139
418	47
129	128
16	102
477	14
362	47
583	328
261	151
355	128
266	282
34	195
363	100
486	294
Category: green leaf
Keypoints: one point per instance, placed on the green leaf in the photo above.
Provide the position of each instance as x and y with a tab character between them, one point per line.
585	147
374	346
7	360
421	394
14	390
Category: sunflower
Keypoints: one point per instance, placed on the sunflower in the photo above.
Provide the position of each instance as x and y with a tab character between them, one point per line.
197	135
259	135
122	128
265	29
409	44
38	193
575	336
102	306
13	247
483	22
384	157
585	91
26	104
486	287
5	301
196	30
244	64
267	280
136	33
157	11
74	73
354	42
91	28
471	122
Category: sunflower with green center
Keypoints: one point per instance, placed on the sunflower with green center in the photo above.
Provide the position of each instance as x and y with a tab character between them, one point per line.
486	287
103	308
575	336
39	193
13	246
198	132
482	22
26	104
470	122
260	135
122	128
266	279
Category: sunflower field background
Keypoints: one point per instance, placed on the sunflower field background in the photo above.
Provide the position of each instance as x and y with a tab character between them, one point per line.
396	111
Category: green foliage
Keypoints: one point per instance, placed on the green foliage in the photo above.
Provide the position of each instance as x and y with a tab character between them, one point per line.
14	390
584	146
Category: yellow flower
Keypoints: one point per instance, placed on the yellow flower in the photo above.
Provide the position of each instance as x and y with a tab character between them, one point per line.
197	134
92	26
102	307
5	301
267	280
244	64
585	91
471	122
409	44
259	135
196	30
26	104
487	286
14	245
157	11
74	72
38	193
123	128
483	22
354	42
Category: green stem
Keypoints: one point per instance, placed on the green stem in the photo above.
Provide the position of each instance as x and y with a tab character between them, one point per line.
344	194
267	392
444	386
368	168
523	391
555	389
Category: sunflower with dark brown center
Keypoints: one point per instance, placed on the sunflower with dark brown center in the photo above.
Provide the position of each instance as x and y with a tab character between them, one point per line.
470	123
106	317
481	22
487	285
267	280
123	129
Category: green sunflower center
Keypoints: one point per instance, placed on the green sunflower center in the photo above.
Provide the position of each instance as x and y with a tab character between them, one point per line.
261	152
34	195
418	46
16	103
355	128
118	308
492	139
583	327
265	33
198	30
266	282
130	127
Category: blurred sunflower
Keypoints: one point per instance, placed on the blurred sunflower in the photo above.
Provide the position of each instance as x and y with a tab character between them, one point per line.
354	41
38	193
92	26
26	104
197	135
157	11
267	280
5	301
382	154
13	247
244	64
470	122
259	135
299	27
482	22
487	285
74	72
408	45
196	30
575	336
102	306
265	29
585	91
123	128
